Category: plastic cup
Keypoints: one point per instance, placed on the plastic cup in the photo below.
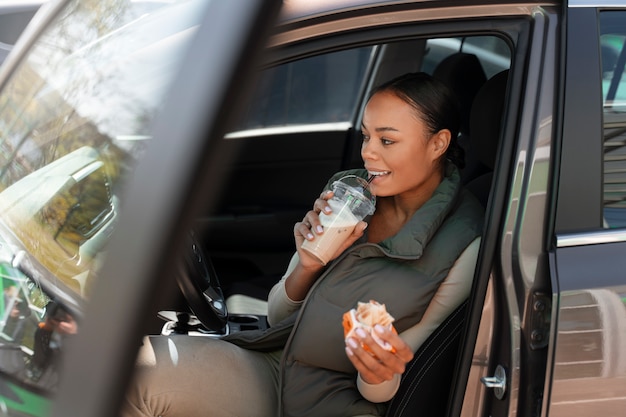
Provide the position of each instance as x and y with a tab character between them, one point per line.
352	202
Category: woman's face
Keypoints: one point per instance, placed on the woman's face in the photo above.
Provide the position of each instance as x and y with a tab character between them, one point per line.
398	150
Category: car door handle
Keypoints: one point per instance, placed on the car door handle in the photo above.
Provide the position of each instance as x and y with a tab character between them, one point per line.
497	382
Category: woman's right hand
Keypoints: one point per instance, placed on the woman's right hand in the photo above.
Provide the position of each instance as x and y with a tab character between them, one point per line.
309	268
311	226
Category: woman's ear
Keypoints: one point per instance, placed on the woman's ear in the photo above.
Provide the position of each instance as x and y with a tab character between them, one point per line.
440	142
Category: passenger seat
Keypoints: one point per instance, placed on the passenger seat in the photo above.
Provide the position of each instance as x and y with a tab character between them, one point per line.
486	123
464	74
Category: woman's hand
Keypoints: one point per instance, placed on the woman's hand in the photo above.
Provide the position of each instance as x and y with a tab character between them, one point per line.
311	226
380	364
309	268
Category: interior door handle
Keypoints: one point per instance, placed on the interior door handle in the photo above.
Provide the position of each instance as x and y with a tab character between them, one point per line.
497	382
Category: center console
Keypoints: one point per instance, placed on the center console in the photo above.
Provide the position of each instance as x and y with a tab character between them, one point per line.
186	323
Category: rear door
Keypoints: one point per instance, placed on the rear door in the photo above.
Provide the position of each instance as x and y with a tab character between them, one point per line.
587	261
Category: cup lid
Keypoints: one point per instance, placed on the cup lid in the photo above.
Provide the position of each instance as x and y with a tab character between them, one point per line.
357	189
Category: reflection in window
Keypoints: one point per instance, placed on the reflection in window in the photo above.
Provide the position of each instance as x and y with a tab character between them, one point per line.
74	120
33	330
613	53
79	208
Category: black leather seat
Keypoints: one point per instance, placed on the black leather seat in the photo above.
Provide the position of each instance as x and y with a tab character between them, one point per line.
425	385
464	74
486	122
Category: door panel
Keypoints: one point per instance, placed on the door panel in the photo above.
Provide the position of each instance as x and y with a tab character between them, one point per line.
515	233
589	374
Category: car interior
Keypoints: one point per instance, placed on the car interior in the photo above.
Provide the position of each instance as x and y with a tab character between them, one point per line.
242	250
284	161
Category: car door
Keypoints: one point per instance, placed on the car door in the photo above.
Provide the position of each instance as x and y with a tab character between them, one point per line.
587	362
502	367
100	358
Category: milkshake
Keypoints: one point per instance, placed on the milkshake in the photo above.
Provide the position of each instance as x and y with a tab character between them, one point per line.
351	203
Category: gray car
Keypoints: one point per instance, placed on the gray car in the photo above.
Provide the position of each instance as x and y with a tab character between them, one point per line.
155	155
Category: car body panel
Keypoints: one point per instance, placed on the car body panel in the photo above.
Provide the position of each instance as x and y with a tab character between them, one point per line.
589	311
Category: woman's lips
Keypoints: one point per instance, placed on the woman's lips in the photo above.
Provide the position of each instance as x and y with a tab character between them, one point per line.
375	175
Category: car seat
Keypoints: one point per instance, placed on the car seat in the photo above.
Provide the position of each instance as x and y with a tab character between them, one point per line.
464	74
486	122
436	339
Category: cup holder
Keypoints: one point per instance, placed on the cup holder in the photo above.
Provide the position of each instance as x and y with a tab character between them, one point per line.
238	322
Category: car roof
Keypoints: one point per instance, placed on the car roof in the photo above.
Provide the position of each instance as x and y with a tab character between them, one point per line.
297	10
309	19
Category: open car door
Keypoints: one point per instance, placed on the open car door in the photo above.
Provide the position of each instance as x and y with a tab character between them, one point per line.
204	95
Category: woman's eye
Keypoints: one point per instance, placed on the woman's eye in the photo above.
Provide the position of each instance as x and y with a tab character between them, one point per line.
364	137
386	141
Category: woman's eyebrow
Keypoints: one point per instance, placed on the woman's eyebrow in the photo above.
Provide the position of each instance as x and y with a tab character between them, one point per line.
382	129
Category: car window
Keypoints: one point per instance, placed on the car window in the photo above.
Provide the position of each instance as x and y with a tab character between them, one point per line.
319	89
75	119
613	55
492	52
325	88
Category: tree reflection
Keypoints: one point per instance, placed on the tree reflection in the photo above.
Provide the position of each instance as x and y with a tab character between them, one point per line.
94	81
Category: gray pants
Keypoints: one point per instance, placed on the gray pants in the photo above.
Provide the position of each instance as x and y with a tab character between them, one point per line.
193	376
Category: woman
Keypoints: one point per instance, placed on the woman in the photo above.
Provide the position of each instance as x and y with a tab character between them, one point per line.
302	365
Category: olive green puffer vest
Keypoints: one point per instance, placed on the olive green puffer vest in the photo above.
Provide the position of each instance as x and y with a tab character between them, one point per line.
403	272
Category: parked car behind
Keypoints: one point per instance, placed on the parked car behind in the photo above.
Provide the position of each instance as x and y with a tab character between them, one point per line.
155	155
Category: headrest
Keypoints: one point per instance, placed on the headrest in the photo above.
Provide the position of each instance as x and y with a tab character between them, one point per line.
486	118
464	74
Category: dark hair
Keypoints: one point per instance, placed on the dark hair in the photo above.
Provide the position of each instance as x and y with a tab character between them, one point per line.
434	102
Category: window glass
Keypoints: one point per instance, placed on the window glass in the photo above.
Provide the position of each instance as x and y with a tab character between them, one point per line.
319	89
613	53
493	52
74	120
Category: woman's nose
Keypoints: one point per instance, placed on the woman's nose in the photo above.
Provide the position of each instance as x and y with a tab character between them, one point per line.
367	150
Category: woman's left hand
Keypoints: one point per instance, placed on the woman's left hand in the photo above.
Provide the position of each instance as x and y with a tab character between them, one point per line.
378	364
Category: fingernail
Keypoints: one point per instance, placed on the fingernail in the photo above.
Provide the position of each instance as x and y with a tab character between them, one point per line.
352	343
327	209
319	228
349	351
361	333
379	329
309	236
